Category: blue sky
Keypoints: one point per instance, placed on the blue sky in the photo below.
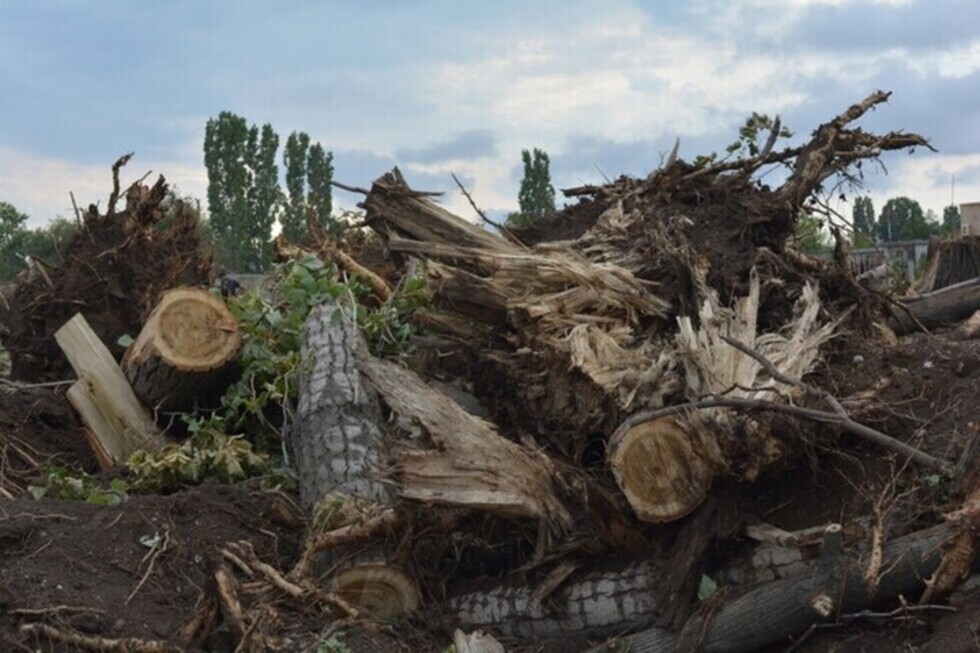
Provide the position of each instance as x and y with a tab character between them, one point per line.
604	87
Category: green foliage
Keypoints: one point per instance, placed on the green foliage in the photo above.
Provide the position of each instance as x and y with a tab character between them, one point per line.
750	133
293	218
271	322
706	587
897	277
536	195
208	453
243	190
17	241
320	196
951	221
863	220
810	237
332	644
69	485
902	218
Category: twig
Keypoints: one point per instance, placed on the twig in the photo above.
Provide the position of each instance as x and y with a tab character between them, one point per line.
114	197
74	204
350	189
483	216
388	519
846	423
154	553
845	619
121	645
27	386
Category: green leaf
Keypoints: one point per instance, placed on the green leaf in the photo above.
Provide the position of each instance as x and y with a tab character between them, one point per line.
706	587
125	340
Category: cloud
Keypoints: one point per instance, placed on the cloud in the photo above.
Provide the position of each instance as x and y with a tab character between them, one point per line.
39	186
473	144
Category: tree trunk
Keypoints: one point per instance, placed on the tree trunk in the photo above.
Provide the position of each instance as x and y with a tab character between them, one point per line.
939	308
339	450
336	443
778	610
185	351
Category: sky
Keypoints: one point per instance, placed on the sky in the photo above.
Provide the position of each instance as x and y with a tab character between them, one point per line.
436	87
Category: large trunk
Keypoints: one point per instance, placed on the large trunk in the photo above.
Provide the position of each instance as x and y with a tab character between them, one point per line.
339	451
775	611
183	355
939	308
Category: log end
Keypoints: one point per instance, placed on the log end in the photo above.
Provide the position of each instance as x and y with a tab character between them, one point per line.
190	330
382	591
663	475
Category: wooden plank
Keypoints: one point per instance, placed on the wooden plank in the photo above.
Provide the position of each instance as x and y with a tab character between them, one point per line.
120	424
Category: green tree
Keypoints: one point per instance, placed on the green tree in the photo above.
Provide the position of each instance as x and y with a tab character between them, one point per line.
294	159
319	177
536	196
264	196
951	221
902	218
243	190
863	220
309	171
17	242
810	237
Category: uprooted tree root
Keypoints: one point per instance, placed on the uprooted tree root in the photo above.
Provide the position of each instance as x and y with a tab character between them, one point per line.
113	269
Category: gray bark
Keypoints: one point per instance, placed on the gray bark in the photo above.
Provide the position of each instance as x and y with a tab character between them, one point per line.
336	443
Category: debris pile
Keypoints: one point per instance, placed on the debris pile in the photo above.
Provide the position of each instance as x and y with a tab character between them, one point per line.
650	418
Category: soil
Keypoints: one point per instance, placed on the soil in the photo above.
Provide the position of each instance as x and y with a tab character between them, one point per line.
113	270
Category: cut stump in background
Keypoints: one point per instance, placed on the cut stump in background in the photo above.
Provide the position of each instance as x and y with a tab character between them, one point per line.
184	350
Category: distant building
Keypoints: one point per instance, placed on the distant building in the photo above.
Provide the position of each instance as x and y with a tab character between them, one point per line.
970	219
911	252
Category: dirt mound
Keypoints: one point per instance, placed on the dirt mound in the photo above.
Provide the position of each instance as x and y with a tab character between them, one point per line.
113	271
38	428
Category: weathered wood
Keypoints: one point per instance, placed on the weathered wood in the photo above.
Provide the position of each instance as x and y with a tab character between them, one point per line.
117	423
775	611
472	466
183	353
665	465
943	307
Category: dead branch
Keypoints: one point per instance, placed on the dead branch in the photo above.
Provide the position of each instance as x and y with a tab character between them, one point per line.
102	644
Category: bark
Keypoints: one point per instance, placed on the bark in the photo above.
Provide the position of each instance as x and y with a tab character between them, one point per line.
336	443
339	449
185	353
778	610
940	308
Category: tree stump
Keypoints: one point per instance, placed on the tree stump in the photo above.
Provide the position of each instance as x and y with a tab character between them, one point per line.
185	351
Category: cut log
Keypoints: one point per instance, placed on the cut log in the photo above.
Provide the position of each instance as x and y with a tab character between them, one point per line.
184	352
116	423
381	590
665	466
339	451
943	307
663	471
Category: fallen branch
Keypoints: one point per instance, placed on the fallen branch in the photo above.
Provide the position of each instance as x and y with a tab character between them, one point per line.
104	644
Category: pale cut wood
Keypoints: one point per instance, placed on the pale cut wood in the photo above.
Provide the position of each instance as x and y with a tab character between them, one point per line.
381	590
661	470
118	423
184	350
473	465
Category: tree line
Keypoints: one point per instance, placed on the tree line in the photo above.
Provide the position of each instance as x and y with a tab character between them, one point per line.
901	218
